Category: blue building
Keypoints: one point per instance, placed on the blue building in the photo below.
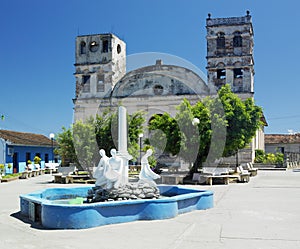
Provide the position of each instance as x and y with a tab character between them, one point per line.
16	148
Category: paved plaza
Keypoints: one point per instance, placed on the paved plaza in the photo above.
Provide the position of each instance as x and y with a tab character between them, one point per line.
261	214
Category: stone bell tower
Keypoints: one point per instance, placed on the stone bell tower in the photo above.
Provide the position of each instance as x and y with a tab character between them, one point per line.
100	62
230	53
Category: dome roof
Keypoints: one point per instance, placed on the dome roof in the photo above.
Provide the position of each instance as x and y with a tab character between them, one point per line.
159	80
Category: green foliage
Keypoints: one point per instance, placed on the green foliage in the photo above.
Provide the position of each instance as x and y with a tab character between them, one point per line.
36	160
165	133
135	127
2	167
84	139
151	159
11	175
106	129
243	119
9	166
196	136
279	158
226	124
269	158
259	156
65	147
80	144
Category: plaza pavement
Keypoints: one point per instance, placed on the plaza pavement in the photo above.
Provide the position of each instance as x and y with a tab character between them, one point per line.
261	214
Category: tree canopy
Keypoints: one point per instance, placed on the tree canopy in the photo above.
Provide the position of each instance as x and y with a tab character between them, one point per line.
212	128
80	144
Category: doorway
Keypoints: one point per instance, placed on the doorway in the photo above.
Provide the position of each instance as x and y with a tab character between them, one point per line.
16	162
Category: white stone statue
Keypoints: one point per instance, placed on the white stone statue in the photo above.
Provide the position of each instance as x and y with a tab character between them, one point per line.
115	171
102	167
147	175
108	173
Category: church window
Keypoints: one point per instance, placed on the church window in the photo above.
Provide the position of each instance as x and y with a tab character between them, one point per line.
86	83
221	74
221	40
83	48
94	46
119	48
237	40
105	46
158	90
100	84
237	73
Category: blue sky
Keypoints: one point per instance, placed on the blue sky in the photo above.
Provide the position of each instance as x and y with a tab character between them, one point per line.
38	39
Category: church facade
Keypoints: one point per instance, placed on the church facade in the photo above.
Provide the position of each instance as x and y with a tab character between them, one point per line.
102	80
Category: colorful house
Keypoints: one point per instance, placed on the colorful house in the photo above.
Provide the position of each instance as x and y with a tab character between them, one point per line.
16	148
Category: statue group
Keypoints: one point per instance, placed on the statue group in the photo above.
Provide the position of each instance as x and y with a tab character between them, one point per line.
111	173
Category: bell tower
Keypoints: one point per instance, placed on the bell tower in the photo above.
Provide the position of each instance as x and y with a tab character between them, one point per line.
100	62
230	53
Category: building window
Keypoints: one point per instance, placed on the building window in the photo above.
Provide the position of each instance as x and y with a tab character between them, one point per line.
28	157
46	158
94	46
237	40
119	49
221	74
238	73
105	46
158	90
100	84
221	41
86	83
83	48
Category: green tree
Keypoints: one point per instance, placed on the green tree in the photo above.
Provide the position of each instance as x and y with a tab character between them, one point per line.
225	125
243	119
135	127
194	124
85	144
65	147
106	128
165	133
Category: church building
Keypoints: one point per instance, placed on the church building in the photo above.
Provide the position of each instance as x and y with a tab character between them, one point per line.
102	80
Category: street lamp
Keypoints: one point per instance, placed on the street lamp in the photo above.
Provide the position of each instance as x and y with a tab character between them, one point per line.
195	121
51	135
140	137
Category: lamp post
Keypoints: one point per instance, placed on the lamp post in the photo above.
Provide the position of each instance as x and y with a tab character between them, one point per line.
195	121
52	138
140	137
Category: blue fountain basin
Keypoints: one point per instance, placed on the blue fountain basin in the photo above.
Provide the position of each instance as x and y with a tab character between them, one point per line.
51	208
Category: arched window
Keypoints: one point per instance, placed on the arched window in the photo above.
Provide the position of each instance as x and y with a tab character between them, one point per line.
237	40
82	47
221	40
158	89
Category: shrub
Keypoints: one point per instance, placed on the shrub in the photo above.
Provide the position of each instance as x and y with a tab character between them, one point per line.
269	158
2	167
36	160
259	156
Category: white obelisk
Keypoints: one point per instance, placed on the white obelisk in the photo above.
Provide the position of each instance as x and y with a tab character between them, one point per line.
122	143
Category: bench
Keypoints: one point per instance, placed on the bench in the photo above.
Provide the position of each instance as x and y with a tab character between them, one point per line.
226	178
25	175
172	179
63	174
51	167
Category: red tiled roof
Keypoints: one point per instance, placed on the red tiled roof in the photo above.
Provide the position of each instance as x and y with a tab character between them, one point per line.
24	138
282	138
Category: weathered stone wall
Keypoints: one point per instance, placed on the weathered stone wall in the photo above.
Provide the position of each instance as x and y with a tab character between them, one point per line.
230	57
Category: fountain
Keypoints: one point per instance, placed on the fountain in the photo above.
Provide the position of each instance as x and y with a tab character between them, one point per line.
112	199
